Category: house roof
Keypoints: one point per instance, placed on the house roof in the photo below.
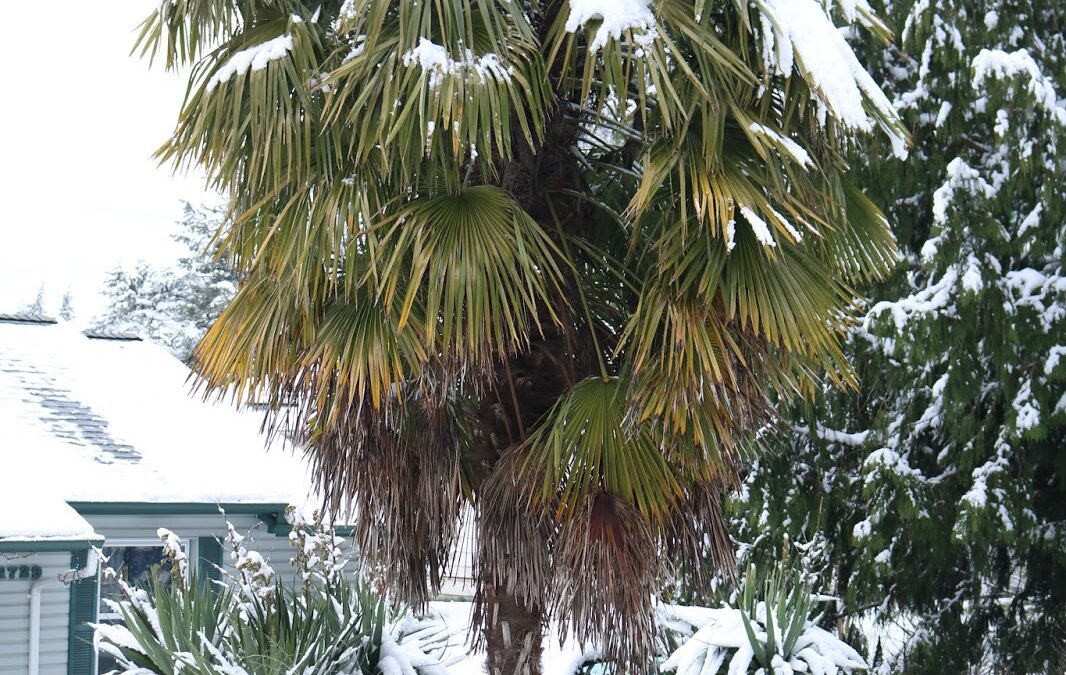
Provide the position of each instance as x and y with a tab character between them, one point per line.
106	418
29	513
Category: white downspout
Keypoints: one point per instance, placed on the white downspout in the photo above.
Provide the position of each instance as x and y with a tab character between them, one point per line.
35	623
91	565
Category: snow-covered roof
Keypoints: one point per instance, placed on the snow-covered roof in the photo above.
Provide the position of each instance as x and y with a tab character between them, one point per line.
30	513
110	419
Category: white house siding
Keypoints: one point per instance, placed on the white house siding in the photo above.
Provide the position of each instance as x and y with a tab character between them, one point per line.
275	548
15	615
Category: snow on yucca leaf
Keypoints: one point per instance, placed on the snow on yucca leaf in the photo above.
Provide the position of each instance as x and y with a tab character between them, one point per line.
253	624
769	629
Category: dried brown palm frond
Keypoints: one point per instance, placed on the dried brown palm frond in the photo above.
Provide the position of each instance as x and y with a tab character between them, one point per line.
608	571
396	470
513	567
690	371
515	530
695	539
488	258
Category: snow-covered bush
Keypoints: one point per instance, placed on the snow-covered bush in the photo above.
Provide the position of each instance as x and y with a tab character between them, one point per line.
768	628
251	623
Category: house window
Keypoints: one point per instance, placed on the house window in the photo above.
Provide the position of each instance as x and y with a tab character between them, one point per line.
135	563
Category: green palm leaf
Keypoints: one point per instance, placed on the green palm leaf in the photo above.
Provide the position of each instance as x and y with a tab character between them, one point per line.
491	252
585	445
479	263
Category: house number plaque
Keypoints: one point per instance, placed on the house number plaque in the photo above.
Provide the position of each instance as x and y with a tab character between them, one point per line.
20	572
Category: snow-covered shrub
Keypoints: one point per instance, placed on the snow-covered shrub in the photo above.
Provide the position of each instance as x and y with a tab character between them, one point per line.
768	628
251	623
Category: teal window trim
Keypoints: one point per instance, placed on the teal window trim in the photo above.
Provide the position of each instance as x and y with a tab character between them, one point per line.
210	553
81	653
271	514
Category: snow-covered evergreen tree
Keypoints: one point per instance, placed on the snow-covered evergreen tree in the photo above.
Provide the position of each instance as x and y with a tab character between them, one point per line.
66	306
935	494
36	308
173	306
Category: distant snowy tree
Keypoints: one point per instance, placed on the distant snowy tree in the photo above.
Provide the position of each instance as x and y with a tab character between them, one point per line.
36	308
173	306
936	492
66	307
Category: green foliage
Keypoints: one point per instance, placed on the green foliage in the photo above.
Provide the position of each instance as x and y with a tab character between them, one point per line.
765	624
779	596
202	629
251	622
172	306
932	497
481	245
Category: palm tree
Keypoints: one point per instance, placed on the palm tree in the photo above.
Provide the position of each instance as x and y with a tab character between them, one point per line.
553	260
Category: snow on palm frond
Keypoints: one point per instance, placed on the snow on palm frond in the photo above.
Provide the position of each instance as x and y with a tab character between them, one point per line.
799	33
466	230
615	17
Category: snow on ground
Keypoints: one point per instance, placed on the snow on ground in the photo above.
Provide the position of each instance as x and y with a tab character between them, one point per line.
713	636
556	659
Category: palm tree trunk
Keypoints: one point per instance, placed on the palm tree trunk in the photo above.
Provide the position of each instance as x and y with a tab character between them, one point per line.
513	636
526	387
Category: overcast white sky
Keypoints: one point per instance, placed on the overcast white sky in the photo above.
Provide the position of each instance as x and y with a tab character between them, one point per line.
79	120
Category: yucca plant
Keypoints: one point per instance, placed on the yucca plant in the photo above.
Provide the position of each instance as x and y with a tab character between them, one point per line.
766	628
193	626
780	611
552	259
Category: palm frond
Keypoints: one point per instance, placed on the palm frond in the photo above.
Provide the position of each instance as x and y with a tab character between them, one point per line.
585	445
606	578
479	265
374	464
515	529
491	253
676	52
452	81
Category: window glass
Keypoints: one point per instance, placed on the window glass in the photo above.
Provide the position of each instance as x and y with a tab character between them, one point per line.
135	566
